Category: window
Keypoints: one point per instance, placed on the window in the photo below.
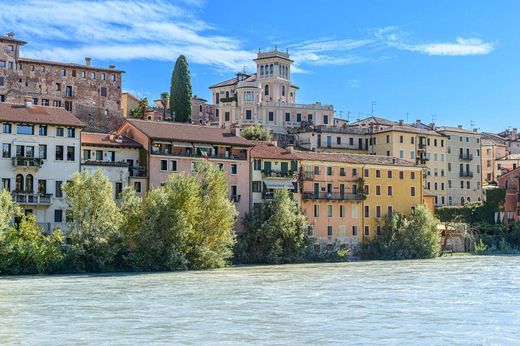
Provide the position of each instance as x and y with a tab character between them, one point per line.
71	132
164	165
378	230
316	210
2	63
83	74
6	150
63	72
329	210
103	91
68	91
390	209
367	211
367	190
58	215
378	211
2	81
271	116
217	98
42	130
173	165
111	156
248	96
93	75
378	190
10	48
24	129
298	117
316	170
266	90
342	171
103	76
99	155
226	116
71	153
42	151
119	189
233	168
248	114
42	186
412	191
341	211
378	173
354	231
354	172
57	87
7	128
56	103
401	175
45	102
329	231
412	175
389	174
329	170
287	116
59	152
325	119
68	106
10	65
367	231
86	154
256	186
137	186
113	77
309	118
390	191
367	173
6	184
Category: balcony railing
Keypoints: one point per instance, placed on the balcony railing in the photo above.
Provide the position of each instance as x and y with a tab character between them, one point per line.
466	174
466	157
33	162
422	146
105	163
32	198
185	154
277	174
268	195
137	171
333	196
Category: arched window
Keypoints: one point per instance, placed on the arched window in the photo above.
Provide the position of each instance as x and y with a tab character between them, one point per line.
200	108
283	90
19	183
271	69
266	90
462	201
227	94
469	199
29	183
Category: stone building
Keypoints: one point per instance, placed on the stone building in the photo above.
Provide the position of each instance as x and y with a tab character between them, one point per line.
93	94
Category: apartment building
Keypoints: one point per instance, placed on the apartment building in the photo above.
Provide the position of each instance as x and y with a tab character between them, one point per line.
267	97
40	151
171	148
507	163
345	196
510	181
343	139
128	103
272	168
493	149
464	173
423	147
117	157
93	94
202	112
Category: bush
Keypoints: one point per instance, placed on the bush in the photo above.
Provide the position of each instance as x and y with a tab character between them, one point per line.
256	132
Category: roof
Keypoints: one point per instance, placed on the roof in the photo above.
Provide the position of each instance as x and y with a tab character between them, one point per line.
187	133
130	95
103	139
376	120
273	54
493	139
11	39
456	129
17	113
408	129
510	157
505	175
66	64
352	158
232	81
267	150
428	193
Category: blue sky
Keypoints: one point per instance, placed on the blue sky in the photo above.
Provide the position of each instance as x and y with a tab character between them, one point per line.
452	61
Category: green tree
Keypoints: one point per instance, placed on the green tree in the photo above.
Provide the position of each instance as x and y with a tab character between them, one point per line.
131	209
94	221
8	209
180	91
256	133
141	109
412	237
164	102
26	250
275	234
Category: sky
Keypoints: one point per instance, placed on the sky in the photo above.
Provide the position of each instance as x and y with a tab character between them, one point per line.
448	62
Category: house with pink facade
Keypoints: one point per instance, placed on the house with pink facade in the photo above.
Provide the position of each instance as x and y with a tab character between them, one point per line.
511	183
171	148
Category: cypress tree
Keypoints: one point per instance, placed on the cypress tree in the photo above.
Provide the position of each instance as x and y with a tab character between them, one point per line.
180	91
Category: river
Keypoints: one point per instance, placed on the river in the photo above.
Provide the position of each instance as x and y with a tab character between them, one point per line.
458	300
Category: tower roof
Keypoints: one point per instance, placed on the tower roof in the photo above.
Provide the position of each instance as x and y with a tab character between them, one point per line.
273	54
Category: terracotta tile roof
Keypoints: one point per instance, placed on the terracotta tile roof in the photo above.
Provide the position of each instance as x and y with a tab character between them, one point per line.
456	129
267	150
429	193
17	113
66	64
9	39
103	139
188	133
250	77
352	158
408	129
375	120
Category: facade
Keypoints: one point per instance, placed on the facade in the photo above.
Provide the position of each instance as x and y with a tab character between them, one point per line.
272	168
117	157
493	149
40	151
511	183
202	112
344	139
507	163
93	94
266	97
464	173
171	148
128	102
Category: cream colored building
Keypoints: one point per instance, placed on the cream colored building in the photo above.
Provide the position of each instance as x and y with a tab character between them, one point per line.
128	102
118	157
345	139
493	149
464	170
40	151
266	97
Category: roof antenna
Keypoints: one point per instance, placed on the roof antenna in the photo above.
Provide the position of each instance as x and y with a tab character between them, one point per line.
259	51
275	47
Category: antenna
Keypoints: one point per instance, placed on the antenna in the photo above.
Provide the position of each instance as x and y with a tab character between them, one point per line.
471	124
407	114
348	116
373	104
434	117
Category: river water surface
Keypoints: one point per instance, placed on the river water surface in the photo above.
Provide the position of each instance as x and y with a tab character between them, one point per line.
459	300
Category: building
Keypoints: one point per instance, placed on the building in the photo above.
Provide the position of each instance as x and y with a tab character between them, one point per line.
346	196
93	94
117	157
40	151
267	97
493	148
510	181
128	103
343	139
272	168
202	112
512	138
170	148
464	174
507	163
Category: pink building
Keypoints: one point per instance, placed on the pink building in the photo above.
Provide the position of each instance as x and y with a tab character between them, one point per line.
173	147
511	183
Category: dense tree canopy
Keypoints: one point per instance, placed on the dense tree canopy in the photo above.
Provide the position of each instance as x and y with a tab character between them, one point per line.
180	91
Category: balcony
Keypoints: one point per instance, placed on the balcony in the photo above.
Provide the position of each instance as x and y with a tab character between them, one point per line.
137	171
27	162
242	157
228	99
277	174
333	196
268	195
466	157
466	174
31	198
235	198
421	146
105	163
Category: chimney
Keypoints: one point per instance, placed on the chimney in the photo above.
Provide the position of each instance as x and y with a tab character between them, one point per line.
418	122
401	122
459	126
235	130
432	126
87	61
515	132
10	35
111	67
475	130
290	148
27	102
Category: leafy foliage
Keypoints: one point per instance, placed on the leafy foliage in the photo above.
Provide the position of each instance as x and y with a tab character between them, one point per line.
8	209
141	108
180	91
256	133
412	237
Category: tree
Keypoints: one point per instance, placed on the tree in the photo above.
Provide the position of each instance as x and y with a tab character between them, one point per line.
8	209
180	91
93	220
164	102
141	109
412	237
256	133
275	234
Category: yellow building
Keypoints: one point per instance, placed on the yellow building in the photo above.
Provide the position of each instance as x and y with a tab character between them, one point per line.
128	102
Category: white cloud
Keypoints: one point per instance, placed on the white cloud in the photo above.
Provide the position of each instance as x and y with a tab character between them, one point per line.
392	37
353	83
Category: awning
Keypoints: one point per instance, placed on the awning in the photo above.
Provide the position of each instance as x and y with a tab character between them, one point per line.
278	184
182	144
203	146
